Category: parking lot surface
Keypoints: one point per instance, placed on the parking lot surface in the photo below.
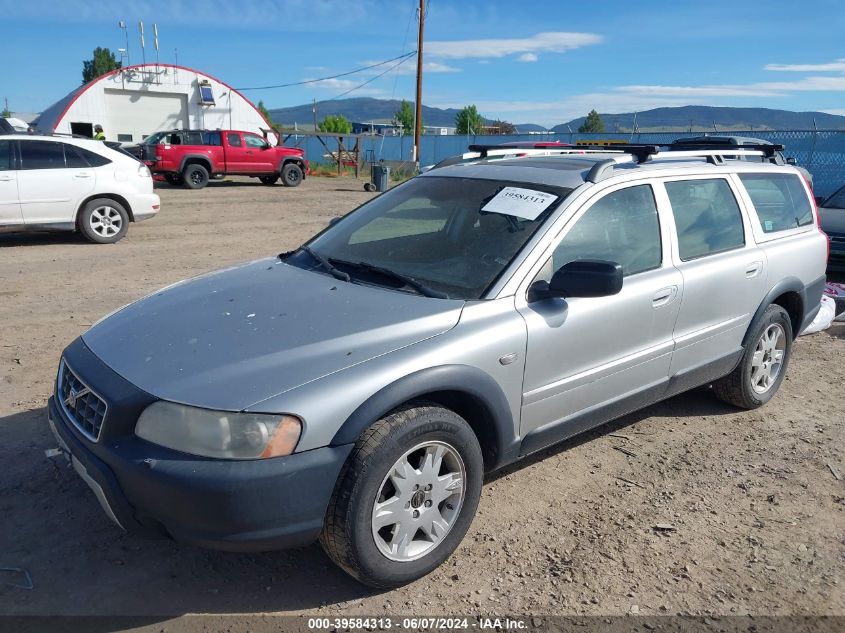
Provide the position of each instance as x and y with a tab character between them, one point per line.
689	506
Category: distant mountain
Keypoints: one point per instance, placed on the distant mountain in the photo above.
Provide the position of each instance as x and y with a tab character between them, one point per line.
359	110
701	118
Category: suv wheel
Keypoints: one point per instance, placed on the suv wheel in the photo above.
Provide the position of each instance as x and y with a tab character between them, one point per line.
406	496
269	180
103	221
291	175
195	176
759	374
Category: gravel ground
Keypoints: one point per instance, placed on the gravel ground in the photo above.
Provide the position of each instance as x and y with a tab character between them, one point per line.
709	510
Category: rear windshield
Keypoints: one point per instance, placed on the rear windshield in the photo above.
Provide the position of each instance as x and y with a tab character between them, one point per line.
780	200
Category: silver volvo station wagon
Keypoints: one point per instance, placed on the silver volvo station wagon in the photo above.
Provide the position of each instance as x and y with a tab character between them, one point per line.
357	389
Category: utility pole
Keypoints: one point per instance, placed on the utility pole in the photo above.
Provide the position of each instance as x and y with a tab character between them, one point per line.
418	118
314	112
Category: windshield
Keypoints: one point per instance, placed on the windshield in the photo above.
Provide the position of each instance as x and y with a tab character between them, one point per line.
453	236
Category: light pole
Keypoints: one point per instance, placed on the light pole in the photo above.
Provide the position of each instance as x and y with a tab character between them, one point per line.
122	25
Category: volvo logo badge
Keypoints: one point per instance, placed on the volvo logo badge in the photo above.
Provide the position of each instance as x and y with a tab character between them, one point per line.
73	396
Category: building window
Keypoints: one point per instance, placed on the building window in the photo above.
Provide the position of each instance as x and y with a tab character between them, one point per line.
124	138
206	95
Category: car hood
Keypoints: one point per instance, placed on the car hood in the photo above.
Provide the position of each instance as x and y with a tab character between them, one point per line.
230	339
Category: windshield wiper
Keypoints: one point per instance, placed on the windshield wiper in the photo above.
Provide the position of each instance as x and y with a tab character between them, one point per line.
326	264
420	287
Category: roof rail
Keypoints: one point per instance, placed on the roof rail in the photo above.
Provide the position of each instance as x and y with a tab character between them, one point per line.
640	152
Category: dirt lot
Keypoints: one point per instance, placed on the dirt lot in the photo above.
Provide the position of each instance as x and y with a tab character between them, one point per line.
757	517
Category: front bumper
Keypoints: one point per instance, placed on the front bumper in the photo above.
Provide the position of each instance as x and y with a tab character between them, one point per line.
249	505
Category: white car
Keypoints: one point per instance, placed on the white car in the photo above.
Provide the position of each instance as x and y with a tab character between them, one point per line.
70	184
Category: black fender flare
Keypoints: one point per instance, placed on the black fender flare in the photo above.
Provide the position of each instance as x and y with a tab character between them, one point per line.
789	284
203	158
299	160
469	381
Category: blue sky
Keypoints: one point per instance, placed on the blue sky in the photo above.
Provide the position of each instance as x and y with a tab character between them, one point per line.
531	61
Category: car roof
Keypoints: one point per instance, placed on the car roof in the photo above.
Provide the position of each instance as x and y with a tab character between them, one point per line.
572	170
721	140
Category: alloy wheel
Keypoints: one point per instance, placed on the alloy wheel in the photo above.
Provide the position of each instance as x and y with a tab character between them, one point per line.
105	221
418	501
767	362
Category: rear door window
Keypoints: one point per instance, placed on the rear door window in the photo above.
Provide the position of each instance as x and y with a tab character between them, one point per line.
73	158
707	217
233	139
779	199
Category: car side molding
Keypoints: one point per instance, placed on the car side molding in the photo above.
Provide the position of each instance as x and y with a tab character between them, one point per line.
495	422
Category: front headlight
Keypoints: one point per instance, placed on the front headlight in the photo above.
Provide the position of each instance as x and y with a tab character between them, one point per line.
218	433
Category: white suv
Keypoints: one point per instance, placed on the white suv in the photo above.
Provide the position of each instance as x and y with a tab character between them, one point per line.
69	184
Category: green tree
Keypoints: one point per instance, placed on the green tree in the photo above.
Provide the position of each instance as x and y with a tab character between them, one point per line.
592	123
264	111
404	116
336	123
102	62
6	113
502	127
468	121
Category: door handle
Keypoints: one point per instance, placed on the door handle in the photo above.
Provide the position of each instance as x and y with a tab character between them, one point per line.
664	296
753	269
82	175
6	178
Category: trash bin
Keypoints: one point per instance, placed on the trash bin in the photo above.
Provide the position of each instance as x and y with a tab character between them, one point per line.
380	175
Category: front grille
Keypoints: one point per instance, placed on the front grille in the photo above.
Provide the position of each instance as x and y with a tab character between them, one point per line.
82	406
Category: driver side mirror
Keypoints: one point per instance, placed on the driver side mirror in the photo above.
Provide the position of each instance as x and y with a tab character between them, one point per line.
581	278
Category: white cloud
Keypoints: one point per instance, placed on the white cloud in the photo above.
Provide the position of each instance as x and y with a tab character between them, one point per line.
527	57
696	91
410	68
834	66
839	111
551	42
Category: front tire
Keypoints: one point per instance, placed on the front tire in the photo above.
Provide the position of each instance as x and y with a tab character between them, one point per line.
406	496
103	221
760	372
292	175
195	176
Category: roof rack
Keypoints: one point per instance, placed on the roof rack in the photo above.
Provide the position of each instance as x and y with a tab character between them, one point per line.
712	153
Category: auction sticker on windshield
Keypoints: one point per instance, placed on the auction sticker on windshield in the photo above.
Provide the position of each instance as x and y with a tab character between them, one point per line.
522	203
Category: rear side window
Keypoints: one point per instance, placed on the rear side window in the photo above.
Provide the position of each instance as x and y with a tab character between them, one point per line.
193	138
233	139
707	217
6	155
92	158
779	199
42	155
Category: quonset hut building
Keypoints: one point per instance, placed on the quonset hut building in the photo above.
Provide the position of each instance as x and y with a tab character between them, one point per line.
133	102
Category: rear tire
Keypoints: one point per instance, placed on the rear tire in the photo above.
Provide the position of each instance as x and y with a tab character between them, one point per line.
195	176
292	175
269	180
405	497
103	221
760	372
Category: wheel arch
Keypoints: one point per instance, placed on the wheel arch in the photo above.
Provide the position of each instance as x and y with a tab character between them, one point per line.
299	160
468	391
109	196
789	294
196	159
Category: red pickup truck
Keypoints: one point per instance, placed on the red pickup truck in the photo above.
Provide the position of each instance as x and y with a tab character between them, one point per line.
193	157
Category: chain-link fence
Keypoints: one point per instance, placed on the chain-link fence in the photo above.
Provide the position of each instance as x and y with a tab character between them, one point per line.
822	152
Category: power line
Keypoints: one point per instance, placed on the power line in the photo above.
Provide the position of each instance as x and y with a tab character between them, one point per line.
370	80
402	57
